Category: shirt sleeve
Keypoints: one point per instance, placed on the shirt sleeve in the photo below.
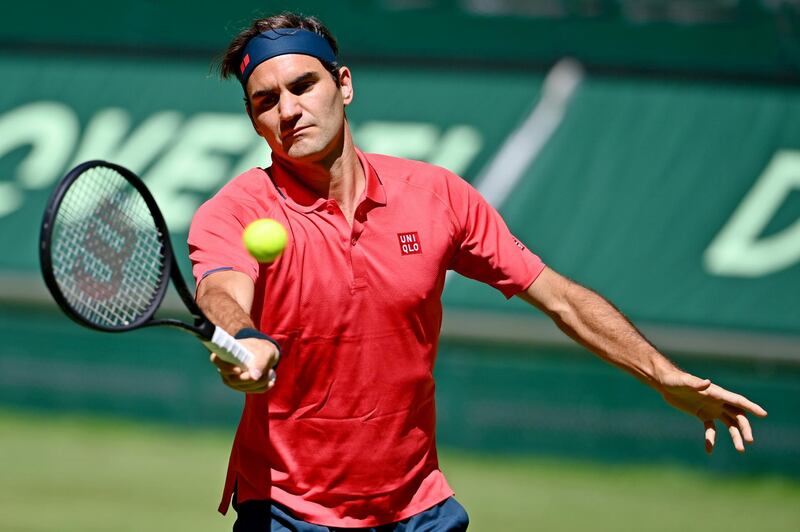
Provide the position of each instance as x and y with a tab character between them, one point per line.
215	241
485	248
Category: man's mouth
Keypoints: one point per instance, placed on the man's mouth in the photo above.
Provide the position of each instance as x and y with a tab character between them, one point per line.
292	132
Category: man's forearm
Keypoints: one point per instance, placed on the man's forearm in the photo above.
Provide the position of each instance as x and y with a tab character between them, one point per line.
224	311
596	324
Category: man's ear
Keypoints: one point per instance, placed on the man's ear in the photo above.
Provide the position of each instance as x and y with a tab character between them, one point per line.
346	85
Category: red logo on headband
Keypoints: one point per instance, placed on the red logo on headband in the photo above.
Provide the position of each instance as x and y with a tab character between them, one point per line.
245	62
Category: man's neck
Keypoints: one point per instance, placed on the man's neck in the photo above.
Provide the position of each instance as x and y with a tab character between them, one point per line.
338	177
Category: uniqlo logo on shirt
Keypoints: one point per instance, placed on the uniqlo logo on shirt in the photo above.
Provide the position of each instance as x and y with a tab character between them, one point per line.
409	243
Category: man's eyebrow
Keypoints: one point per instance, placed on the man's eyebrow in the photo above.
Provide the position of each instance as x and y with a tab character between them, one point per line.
308	76
302	78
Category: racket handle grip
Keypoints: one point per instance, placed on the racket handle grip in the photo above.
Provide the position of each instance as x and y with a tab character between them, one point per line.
229	349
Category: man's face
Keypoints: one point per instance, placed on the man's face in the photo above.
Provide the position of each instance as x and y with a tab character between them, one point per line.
297	107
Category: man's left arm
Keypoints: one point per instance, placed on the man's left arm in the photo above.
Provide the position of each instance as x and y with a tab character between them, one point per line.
596	324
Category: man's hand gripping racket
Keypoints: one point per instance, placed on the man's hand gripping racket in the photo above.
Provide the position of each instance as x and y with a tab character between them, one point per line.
106	258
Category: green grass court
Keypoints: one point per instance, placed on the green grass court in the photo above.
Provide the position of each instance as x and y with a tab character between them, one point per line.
86	474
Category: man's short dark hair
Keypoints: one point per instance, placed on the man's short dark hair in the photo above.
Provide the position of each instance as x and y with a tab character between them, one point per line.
229	64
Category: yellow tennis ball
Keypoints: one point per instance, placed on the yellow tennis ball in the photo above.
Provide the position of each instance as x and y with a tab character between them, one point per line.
265	239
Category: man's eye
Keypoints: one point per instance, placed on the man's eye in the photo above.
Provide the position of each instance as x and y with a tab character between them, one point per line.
267	102
300	89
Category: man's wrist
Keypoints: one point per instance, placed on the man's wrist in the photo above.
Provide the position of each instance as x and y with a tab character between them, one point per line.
251	332
663	371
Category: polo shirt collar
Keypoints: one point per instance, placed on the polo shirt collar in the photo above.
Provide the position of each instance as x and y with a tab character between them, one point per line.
373	189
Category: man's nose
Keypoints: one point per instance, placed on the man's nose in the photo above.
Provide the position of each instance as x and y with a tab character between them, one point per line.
288	107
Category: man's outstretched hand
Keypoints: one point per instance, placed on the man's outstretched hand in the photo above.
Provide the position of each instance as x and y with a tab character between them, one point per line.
709	402
259	378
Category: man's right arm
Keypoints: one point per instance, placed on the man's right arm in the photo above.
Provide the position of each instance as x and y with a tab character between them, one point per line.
226	297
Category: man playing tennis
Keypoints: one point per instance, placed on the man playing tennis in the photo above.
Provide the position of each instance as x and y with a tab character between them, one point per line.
346	438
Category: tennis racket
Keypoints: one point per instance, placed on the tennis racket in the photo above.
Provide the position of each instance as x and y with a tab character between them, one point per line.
106	258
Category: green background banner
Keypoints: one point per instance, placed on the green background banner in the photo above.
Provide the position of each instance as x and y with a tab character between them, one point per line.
642	177
628	196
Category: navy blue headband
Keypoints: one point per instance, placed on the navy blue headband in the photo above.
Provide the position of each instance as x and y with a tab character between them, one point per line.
271	43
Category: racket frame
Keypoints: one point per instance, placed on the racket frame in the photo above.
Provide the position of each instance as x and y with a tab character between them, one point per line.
202	327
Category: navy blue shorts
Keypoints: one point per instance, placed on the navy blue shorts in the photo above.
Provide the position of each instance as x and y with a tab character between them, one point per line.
261	516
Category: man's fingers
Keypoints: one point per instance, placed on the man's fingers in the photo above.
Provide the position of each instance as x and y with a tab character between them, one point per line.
253	373
254	376
245	383
736	400
266	383
746	404
233	371
733	429
755	409
249	380
711	435
744	428
741	420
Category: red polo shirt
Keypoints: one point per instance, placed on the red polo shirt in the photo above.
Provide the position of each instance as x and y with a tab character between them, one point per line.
347	435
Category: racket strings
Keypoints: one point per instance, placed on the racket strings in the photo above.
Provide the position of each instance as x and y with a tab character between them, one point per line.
108	255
